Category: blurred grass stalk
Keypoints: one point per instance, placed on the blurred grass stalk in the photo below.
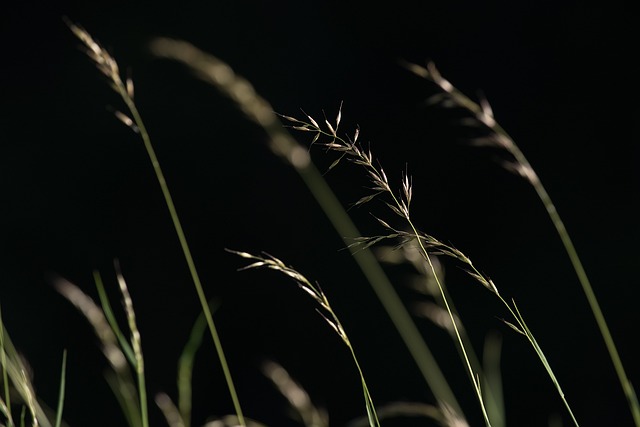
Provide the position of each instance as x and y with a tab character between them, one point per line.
215	72
220	75
16	378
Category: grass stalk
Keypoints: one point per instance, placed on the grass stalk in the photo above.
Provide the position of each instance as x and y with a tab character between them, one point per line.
217	73
520	326
137	348
500	138
475	379
400	205
327	313
108	66
488	369
524	329
61	392
111	319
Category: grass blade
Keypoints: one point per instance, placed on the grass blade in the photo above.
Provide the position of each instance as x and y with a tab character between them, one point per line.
63	374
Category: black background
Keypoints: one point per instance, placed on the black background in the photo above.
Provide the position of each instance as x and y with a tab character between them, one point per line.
78	191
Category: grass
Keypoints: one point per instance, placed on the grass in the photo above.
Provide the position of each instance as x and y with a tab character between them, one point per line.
123	346
273	263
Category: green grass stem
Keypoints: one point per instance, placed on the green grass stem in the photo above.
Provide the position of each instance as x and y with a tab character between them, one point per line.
113	323
136	345
500	138
61	392
273	263
108	66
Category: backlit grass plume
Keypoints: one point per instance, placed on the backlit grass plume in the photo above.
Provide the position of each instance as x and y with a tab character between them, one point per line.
325	310
348	148
482	114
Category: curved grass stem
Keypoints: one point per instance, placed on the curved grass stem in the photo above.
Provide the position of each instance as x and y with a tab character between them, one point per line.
108	66
326	311
627	387
500	138
185	250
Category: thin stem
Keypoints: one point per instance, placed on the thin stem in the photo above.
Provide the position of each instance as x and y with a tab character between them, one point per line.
401	207
445	300
63	373
482	112
382	287
627	387
371	412
185	249
578	267
326	312
521	328
136	345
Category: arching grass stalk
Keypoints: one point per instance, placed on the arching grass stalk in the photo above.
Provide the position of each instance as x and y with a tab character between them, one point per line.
400	203
273	263
109	67
499	138
217	73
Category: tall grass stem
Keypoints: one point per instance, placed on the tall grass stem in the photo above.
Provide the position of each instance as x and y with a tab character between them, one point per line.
483	113
108	66
186	251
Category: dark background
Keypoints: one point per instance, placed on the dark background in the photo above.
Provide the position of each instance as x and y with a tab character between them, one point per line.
78	191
